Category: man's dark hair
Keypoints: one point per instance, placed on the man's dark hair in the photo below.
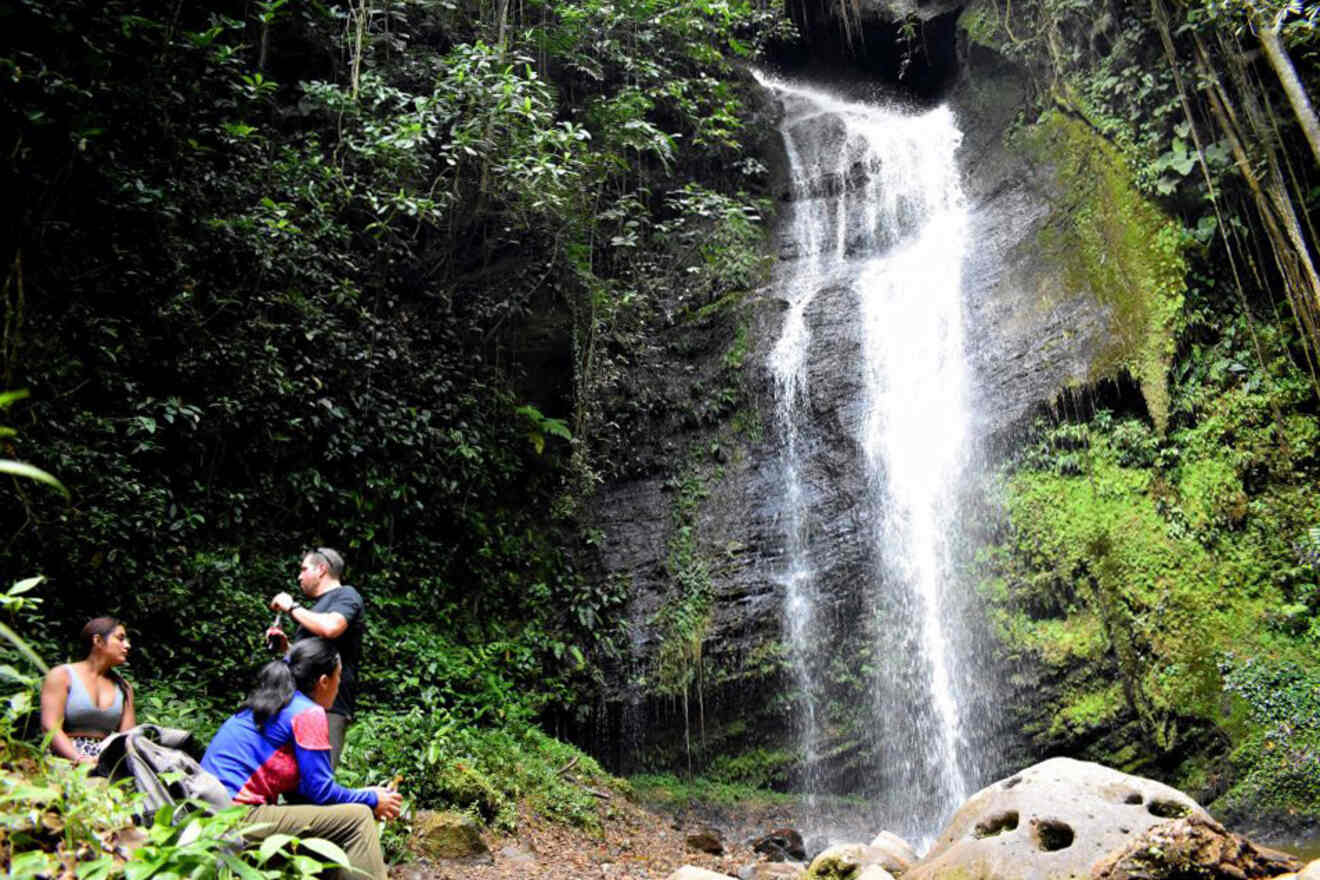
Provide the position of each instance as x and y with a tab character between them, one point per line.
334	563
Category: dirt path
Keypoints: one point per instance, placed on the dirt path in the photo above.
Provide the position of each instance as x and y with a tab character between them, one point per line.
636	842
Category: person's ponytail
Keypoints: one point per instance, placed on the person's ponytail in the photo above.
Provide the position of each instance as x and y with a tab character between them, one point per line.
310	659
300	671
274	690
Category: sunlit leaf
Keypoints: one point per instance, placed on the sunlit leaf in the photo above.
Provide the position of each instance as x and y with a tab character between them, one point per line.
327	850
22	469
272	845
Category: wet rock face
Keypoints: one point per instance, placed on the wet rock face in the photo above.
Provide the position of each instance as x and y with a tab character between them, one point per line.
740	534
1029	335
1059	818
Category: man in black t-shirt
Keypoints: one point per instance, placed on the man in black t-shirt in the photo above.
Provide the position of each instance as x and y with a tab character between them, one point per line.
337	615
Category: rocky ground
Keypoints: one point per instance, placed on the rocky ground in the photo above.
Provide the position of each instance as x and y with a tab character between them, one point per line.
1111	825
635	842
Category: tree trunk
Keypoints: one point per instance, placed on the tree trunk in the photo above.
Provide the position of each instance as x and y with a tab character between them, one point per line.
502	24
1277	53
1300	280
1166	37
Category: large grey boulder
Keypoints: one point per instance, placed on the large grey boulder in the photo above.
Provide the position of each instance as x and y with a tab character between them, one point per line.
895	854
1058	819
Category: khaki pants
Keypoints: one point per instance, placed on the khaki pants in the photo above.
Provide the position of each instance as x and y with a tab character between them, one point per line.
352	826
338	725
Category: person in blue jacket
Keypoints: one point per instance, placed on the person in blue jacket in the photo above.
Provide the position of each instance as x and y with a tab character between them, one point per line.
279	744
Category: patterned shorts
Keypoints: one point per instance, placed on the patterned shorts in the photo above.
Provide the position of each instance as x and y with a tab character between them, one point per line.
87	745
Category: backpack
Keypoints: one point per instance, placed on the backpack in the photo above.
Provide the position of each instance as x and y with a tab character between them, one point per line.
157	760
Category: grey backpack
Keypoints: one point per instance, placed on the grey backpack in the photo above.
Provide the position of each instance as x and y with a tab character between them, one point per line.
157	760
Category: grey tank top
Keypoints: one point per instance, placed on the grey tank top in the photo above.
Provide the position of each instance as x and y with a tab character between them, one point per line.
81	713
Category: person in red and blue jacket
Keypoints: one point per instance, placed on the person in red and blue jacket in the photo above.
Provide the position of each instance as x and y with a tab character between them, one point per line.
279	744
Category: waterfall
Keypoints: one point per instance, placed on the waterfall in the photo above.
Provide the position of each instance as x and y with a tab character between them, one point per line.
876	210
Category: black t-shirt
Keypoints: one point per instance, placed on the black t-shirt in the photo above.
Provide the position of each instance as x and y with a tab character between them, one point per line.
346	601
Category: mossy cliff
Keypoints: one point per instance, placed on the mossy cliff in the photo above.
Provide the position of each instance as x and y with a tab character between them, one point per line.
1149	579
1149	558
1110	240
1147	590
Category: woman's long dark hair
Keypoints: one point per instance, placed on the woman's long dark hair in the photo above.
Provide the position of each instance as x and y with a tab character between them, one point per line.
98	626
103	626
307	662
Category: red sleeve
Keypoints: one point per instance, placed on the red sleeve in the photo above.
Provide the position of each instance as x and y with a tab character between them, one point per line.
310	730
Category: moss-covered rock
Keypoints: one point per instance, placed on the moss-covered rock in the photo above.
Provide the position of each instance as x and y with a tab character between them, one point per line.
842	862
1152	597
449	836
1111	240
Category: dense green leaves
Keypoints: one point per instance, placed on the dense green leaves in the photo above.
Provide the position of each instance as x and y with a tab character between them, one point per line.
285	274
1147	578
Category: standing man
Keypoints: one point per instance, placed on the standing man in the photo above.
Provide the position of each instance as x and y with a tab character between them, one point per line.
336	614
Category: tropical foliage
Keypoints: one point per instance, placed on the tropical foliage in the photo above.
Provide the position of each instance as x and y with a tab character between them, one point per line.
366	275
1152	572
370	275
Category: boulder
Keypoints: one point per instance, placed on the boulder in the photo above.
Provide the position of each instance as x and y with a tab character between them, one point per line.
707	840
692	872
518	853
448	836
844	861
874	872
895	844
781	845
1193	847
1059	818
772	871
893	853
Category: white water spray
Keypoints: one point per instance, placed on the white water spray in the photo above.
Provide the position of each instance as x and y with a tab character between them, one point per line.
877	207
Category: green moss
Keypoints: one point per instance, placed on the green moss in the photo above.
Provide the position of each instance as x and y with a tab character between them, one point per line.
1159	559
1057	642
668	791
1133	592
1275	771
1110	240
982	24
685	617
758	767
1212	494
486	771
1089	710
747	422
833	869
737	353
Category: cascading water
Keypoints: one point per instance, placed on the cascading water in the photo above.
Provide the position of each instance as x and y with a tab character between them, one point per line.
876	207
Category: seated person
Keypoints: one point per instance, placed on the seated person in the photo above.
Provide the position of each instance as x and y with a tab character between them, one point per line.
82	703
279	743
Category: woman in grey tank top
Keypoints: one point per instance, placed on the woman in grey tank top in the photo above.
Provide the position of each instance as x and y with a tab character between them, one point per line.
82	703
